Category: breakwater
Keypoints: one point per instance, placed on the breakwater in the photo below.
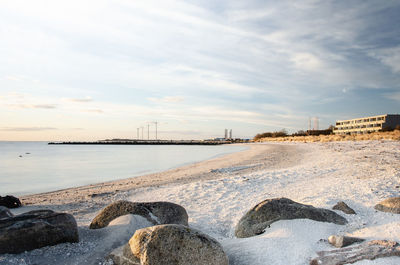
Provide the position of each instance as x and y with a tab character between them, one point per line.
145	142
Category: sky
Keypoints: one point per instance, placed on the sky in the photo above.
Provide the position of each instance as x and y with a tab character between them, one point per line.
89	70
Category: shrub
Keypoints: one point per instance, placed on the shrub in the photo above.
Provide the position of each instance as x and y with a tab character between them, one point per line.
281	133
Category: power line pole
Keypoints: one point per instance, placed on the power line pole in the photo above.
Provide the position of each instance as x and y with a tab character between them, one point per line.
316	123
148	131
156	128
137	133
142	132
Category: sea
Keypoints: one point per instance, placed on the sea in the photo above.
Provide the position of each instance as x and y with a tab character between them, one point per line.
35	167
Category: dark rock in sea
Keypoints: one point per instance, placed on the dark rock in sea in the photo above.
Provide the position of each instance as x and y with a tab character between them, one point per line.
170	244
5	212
342	206
343	241
155	212
369	250
10	201
36	229
269	211
391	205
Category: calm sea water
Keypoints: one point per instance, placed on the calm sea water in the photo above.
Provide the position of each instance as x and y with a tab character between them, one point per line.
32	167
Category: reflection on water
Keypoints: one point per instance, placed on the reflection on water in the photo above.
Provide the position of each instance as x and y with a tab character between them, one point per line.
31	167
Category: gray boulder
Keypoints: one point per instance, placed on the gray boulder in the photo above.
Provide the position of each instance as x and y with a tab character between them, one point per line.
36	229
367	251
343	241
170	244
155	212
342	206
265	213
391	205
5	212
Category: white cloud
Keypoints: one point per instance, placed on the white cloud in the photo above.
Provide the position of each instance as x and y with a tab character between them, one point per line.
241	62
168	99
389	57
93	110
80	100
307	61
393	96
27	129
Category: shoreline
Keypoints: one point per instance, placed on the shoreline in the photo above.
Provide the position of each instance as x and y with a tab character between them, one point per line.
95	196
216	193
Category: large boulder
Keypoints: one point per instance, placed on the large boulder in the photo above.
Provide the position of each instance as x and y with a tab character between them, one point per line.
367	251
36	229
265	213
10	201
5	212
155	212
391	205
342	206
170	244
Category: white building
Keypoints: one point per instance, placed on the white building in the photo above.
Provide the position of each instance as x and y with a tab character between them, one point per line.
367	124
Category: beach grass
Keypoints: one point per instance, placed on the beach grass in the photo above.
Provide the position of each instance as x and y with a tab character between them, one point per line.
392	135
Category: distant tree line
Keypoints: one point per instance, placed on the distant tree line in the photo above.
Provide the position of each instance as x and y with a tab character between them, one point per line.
283	133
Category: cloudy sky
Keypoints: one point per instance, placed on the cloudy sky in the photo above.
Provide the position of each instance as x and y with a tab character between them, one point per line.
87	70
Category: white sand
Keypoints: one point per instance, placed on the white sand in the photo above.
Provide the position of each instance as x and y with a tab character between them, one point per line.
217	193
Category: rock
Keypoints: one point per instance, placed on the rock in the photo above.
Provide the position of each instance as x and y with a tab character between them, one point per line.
391	205
271	210
342	206
36	229
5	212
170	244
369	250
155	212
103	194
343	241
10	202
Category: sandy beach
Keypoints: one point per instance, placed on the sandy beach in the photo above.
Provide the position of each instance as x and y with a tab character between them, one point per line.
217	192
91	197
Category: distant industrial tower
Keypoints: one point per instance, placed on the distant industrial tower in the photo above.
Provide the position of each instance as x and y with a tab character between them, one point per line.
230	134
226	133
